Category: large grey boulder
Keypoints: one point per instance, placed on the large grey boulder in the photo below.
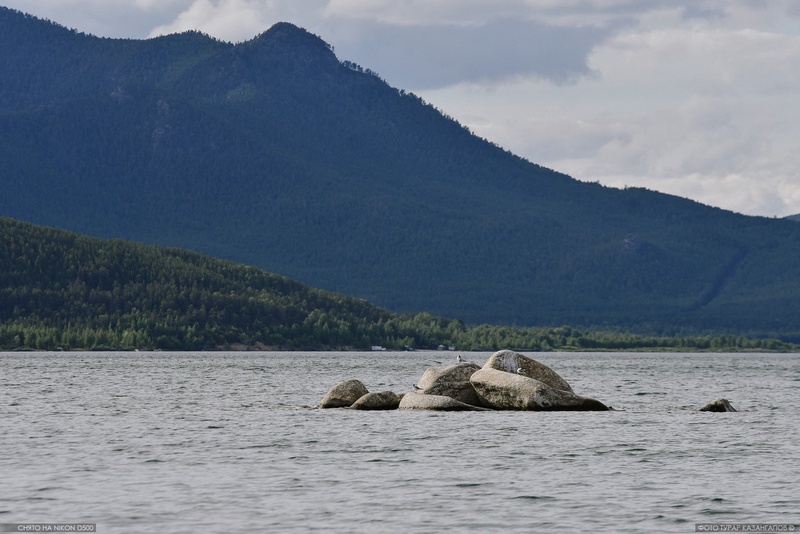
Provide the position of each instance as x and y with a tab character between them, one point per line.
451	381
501	390
516	363
421	401
344	394
379	400
719	405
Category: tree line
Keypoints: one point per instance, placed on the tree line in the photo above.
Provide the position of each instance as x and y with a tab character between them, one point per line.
64	291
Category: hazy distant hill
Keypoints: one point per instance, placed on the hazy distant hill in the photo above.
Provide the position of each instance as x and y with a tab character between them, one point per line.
274	153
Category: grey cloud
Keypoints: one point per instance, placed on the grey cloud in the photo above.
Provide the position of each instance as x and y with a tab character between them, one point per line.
429	57
118	19
692	11
602	12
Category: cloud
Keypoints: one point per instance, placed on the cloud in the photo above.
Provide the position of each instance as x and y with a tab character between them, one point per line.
564	13
105	18
424	57
706	113
229	20
426	12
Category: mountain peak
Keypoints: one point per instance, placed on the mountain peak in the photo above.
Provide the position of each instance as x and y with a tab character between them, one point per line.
289	29
287	41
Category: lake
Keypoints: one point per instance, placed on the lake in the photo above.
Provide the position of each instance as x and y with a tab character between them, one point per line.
232	442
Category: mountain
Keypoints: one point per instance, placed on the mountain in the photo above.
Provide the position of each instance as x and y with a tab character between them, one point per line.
274	153
61	290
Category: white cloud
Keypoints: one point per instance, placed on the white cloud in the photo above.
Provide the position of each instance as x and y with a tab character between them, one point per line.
229	20
726	121
106	18
432	56
426	12
706	114
152	5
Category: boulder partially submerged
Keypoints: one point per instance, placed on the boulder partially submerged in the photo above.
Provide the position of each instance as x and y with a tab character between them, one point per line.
502	390
451	381
515	363
719	405
344	394
423	401
380	400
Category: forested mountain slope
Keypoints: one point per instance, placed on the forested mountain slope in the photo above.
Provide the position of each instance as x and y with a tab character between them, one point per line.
274	153
61	290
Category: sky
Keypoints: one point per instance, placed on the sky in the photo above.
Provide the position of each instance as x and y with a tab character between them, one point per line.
695	98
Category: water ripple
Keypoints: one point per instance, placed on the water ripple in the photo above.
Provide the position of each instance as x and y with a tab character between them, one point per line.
231	442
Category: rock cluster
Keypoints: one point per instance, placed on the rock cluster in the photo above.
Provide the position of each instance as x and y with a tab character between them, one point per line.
507	381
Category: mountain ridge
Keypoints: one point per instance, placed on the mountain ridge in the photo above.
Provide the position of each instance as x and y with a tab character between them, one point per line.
274	153
65	291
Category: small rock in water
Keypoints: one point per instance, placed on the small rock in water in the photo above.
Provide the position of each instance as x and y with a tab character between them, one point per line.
719	405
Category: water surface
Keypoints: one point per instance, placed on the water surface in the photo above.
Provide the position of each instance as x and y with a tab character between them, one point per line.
232	442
